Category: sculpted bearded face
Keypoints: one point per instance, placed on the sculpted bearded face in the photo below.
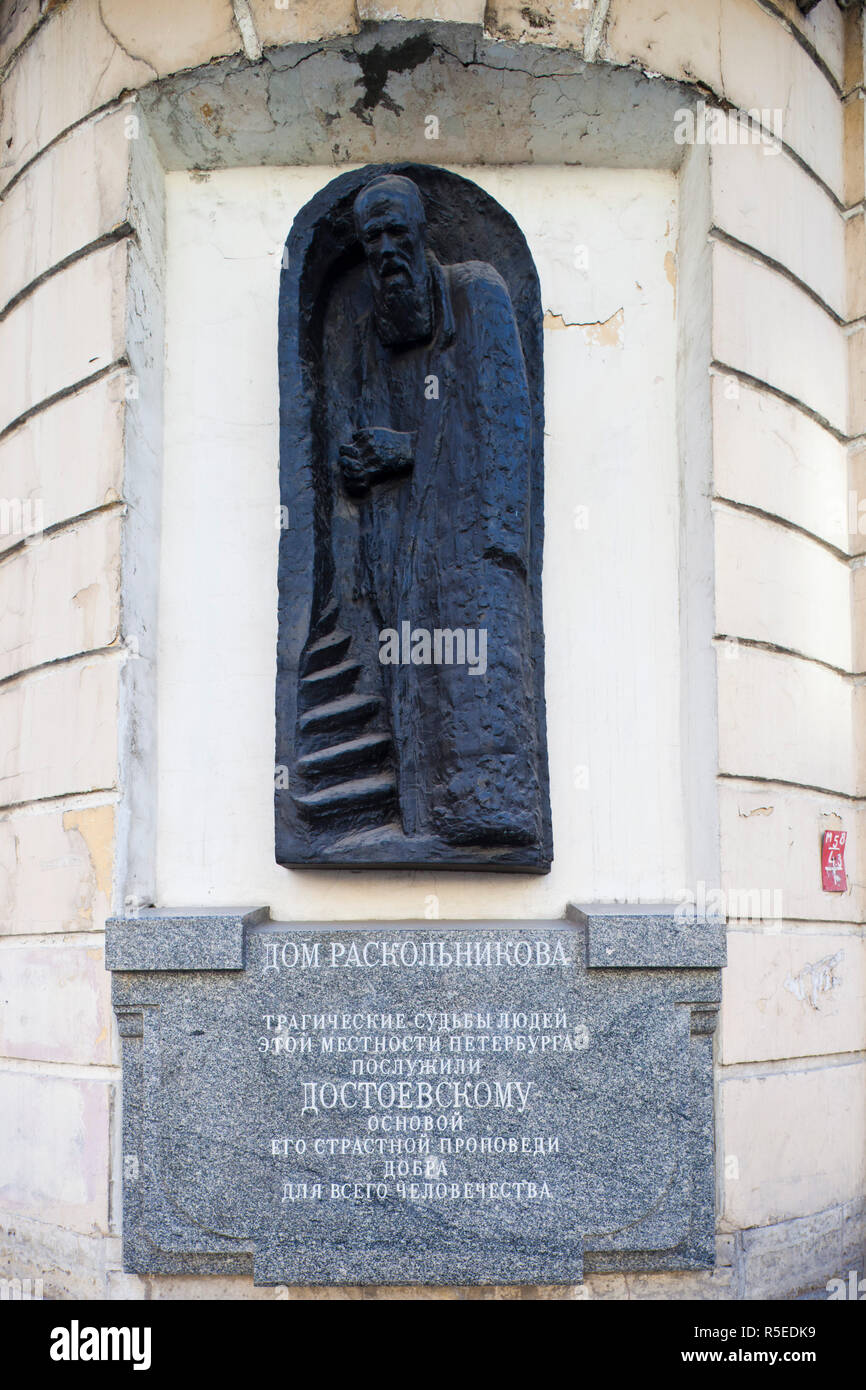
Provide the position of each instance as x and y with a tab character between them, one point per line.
391	226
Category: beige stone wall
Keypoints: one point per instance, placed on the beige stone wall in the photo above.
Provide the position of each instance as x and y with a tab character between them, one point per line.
80	267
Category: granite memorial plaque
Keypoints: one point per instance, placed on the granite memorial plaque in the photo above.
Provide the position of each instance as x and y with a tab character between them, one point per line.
430	1103
410	718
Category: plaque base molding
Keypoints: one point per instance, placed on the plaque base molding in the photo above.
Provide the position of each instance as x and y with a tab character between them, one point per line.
462	1103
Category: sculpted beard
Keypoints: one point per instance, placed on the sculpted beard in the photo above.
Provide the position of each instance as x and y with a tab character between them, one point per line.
403	305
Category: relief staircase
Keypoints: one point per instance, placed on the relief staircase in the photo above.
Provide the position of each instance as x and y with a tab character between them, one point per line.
346	758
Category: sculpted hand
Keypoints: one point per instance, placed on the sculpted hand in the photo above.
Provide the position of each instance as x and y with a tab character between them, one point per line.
386	453
375	456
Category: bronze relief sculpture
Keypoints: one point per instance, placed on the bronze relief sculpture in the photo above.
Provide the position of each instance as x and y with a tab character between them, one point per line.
410	694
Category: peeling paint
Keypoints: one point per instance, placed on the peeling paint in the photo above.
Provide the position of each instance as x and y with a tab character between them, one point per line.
604	333
95	825
535	19
815	980
671	273
755	811
84	598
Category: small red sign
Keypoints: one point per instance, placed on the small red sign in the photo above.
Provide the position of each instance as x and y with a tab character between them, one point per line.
833	878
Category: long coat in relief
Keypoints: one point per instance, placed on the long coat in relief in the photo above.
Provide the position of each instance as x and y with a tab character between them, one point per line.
447	547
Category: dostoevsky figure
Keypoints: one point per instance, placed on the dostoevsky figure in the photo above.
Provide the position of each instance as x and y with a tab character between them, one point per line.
431	438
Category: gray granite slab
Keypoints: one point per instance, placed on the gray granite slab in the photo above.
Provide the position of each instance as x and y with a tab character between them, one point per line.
639	937
420	1103
186	939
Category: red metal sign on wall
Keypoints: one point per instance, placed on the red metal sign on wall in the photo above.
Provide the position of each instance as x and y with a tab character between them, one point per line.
833	877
